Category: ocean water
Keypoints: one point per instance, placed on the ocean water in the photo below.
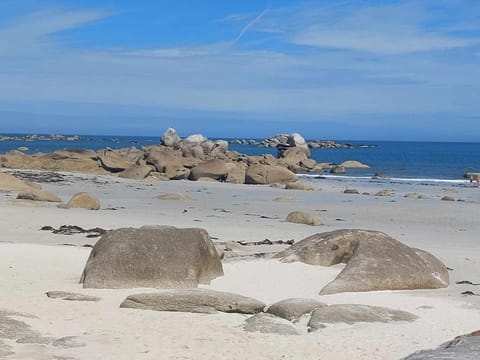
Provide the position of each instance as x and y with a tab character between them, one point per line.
413	161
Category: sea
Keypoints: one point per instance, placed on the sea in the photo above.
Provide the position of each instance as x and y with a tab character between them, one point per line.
401	161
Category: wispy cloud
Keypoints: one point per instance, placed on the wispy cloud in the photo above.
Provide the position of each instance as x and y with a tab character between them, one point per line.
35	30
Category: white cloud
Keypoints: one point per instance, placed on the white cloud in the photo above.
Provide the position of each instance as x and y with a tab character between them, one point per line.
376	41
34	30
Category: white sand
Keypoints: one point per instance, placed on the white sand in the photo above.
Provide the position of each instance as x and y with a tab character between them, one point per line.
32	262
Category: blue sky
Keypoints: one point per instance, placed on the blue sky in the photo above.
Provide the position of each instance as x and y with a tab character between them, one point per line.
398	70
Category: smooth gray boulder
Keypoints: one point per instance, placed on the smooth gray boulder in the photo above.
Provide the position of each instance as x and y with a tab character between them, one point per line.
375	261
270	324
293	309
194	301
464	347
158	257
354	313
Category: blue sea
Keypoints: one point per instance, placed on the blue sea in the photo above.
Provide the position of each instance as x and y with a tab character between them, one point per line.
413	161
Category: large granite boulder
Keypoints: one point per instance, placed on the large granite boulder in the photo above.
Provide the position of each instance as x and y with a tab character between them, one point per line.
162	159
170	138
270	324
297	140
375	261
71	160
214	169
293	309
268	174
292	157
194	301
353	313
159	257
114	161
136	172
235	173
83	200
195	139
465	347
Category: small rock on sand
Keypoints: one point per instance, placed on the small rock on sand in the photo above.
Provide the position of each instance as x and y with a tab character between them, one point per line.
300	217
293	309
174	196
447	198
83	200
63	295
194	301
270	324
353	313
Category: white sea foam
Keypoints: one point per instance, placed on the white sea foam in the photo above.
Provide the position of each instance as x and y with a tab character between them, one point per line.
387	179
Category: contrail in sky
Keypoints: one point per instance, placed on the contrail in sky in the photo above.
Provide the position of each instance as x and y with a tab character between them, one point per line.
250	24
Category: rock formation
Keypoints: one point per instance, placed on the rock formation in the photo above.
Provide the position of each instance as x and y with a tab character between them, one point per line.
374	261
159	257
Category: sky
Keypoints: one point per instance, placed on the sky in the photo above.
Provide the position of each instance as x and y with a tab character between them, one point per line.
343	69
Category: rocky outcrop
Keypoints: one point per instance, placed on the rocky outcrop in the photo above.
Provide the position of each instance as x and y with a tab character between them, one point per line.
215	169
294	309
268	174
194	301
354	313
300	217
136	172
83	200
159	257
375	261
116	161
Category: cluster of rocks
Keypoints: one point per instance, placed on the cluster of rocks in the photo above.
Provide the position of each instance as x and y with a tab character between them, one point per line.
193	158
34	137
165	257
280	318
31	192
283	139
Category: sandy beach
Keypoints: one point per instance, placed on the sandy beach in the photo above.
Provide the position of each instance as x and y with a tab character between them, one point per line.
33	262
